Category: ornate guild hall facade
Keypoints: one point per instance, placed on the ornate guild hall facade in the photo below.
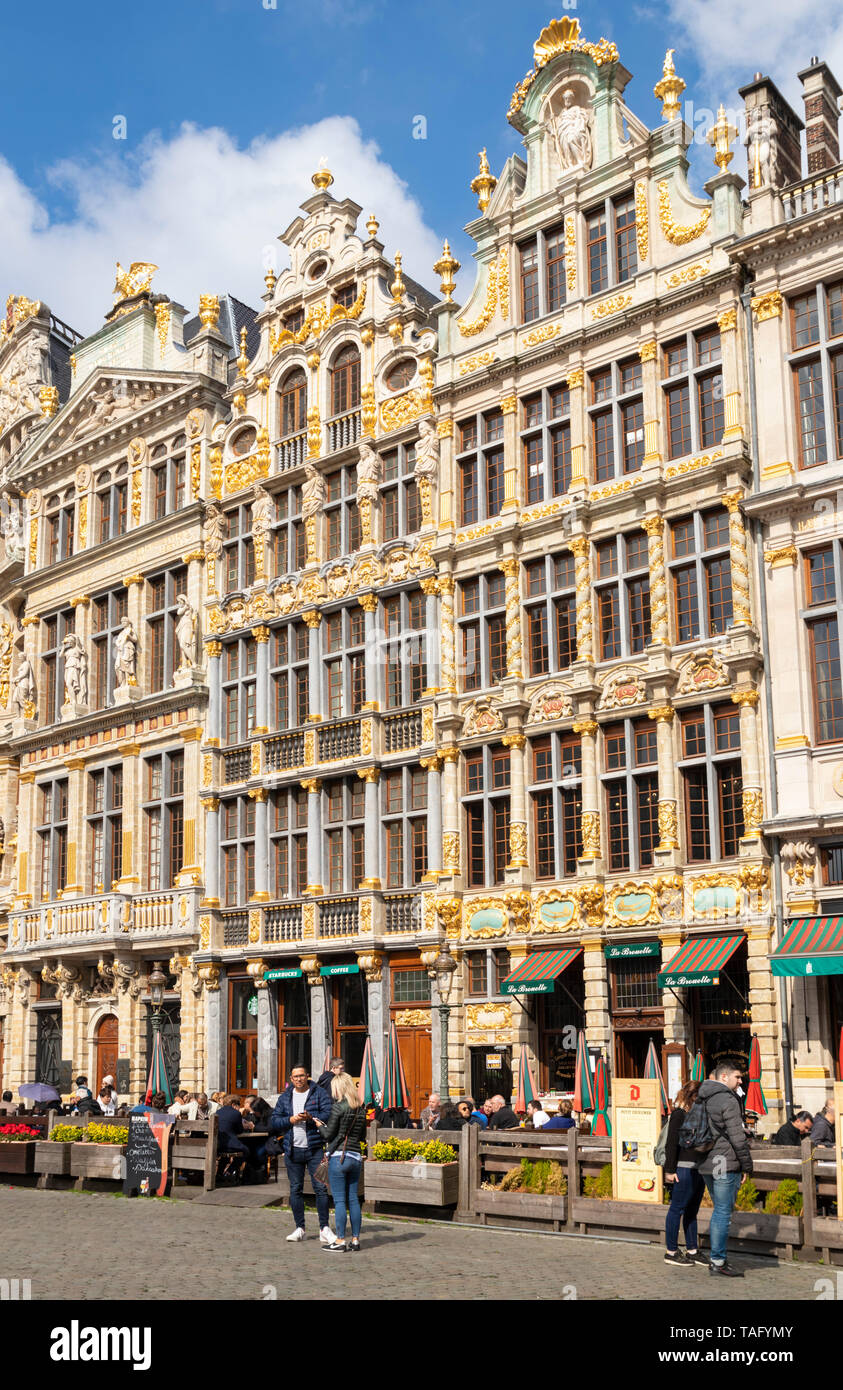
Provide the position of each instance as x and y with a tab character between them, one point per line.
365	624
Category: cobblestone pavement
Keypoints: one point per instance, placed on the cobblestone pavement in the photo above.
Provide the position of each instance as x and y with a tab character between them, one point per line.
175	1250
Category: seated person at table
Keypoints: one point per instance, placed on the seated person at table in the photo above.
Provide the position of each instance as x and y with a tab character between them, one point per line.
231	1126
794	1131
822	1130
563	1117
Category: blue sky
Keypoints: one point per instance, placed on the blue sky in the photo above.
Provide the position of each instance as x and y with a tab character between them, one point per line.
254	74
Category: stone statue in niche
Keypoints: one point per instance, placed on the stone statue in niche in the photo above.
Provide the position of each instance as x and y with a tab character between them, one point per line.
75	672
314	491
263	511
368	473
572	135
427	452
126	656
23	690
186	629
13	529
762	152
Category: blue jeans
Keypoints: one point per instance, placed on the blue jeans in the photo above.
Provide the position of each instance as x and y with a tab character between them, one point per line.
685	1197
344	1177
722	1192
295	1172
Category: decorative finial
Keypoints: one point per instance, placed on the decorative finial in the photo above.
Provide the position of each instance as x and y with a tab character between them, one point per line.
485	183
49	398
721	136
669	89
209	310
323	178
397	287
243	359
269	280
373	225
447	267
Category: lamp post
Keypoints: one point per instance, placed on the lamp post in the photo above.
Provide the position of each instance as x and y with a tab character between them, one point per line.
442	971
157	984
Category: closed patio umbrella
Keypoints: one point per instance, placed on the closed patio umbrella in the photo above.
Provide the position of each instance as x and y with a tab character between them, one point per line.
396	1094
601	1123
754	1095
526	1087
653	1072
840	1059
368	1085
698	1069
158	1080
583	1082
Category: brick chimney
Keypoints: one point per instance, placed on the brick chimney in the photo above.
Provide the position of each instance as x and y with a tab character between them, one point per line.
820	93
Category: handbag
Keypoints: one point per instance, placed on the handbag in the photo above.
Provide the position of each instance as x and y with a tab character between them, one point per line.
321	1174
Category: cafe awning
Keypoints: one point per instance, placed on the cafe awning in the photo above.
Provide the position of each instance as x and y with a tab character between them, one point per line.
700	961
810	946
536	973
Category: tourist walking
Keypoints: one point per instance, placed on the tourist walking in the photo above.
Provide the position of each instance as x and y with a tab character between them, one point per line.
295	1117
343	1136
682	1174
727	1163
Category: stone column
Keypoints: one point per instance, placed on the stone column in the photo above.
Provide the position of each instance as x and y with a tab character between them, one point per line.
26	839
430	589
432	766
579	480
451	856
261	636
314	675
372	651
582	577
668	819
648	353
370	776
211	807
192	1067
377	1003
753	800
447	481
517	801
659	632
511	488
510	567
76	860
319	1022
267	1028
216	1026
591	843
762	1003
770	342
313	787
260	797
741	614
129	881
213	720
448	634
727	322
596	981
191	872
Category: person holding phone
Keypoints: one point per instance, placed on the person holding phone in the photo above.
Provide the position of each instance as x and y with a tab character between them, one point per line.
300	1115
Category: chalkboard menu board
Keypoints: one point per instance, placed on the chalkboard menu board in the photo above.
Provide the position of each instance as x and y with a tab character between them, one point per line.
148	1154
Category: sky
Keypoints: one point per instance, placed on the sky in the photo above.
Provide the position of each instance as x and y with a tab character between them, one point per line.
228	106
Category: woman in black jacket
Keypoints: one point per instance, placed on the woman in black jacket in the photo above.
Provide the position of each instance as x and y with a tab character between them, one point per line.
681	1171
344	1134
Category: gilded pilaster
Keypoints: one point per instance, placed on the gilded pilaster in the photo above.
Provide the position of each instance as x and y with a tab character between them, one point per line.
742	616
654	526
591	842
752	797
581	548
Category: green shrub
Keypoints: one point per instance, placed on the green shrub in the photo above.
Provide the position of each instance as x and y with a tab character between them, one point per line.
748	1196
108	1134
601	1186
543	1177
785	1200
408	1151
66	1134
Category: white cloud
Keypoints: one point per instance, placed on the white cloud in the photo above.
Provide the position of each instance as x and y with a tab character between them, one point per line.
202	208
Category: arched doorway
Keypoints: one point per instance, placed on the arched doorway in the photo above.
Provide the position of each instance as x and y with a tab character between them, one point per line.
106	1050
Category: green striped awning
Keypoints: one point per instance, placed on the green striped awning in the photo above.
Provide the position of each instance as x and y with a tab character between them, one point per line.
700	961
536	973
810	946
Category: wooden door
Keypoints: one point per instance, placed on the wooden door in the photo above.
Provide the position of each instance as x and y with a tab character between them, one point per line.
106	1051
415	1048
243	1063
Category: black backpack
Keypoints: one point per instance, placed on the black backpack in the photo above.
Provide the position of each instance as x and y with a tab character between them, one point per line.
696	1131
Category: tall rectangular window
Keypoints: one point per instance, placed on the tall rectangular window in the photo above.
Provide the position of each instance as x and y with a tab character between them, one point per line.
555	791
710	768
701	574
692	386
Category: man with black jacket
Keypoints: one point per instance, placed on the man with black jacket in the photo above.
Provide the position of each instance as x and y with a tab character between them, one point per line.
728	1163
503	1116
794	1131
296	1113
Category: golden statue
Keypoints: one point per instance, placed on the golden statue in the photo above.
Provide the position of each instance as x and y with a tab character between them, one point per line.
135	280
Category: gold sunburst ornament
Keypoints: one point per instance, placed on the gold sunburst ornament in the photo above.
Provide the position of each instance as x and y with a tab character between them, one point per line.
558	37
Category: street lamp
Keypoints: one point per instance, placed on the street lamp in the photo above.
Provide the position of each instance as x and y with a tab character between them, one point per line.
157	984
442	971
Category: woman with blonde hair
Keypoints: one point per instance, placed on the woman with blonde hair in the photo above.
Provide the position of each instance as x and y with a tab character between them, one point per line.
344	1135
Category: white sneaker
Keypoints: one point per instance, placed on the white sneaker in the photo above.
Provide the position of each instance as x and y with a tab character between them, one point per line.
326	1236
297	1234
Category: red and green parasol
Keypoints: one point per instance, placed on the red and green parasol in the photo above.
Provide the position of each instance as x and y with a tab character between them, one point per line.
158	1073
396	1094
653	1072
755	1096
698	1069
526	1086
583	1083
601	1124
368	1085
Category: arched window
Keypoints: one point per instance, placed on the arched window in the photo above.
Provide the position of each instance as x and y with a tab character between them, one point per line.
293	403
345	381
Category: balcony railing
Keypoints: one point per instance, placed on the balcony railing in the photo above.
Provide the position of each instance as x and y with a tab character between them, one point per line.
343	430
338	741
283	923
402	731
237	765
338	917
811	195
152	912
235	928
402	912
292	451
285	751
106	916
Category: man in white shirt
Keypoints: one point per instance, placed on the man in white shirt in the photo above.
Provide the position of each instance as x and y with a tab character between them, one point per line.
300	1115
201	1108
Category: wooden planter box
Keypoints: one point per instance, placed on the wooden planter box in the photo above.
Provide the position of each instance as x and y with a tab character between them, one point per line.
758	1226
415	1184
522	1206
53	1158
18	1157
97	1160
761	1226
